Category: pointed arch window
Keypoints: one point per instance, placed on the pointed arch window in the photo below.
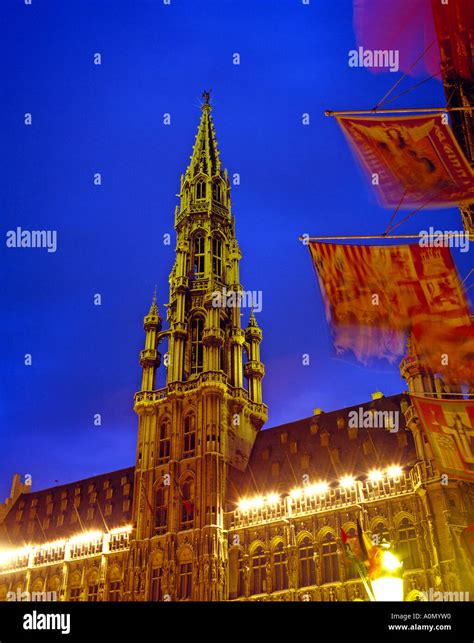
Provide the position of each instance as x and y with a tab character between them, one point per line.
217	256
197	328
189	436
216	191
280	568
329	559
306	560
200	190
156	589
161	511
187	509
199	255
164	442
407	545
259	578
185	580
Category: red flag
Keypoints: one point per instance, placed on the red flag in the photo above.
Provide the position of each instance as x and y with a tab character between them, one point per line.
405	26
454	23
449	428
411	161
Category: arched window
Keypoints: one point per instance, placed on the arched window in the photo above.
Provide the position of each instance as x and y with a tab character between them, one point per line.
259	579
187	511
329	559
199	255
236	573
196	345
161	511
200	190
164	442
280	568
380	534
189	436
307	570
407	545
216	191
217	256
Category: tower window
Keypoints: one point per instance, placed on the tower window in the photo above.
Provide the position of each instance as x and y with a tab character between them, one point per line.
187	511
189	446
280	568
156	591
217	256
329	562
199	256
200	190
407	545
164	443
185	580
160	511
258	571
216	190
307	570
196	345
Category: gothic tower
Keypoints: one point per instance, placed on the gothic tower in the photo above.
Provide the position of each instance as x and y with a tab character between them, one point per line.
205	420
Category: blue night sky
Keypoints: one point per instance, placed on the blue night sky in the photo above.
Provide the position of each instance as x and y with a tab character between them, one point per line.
109	119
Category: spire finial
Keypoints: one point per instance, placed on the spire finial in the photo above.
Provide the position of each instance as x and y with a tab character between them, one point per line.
153	307
154	294
206	94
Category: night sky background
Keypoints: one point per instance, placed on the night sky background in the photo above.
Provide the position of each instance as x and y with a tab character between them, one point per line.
294	179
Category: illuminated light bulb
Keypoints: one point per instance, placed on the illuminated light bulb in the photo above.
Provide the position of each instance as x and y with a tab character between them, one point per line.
273	499
388	588
394	472
295	493
119	530
347	482
375	475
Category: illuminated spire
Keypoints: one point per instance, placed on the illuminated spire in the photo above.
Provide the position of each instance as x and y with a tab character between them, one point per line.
205	157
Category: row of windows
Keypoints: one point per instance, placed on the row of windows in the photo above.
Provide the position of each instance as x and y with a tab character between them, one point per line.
164	439
200	191
407	550
199	255
186	492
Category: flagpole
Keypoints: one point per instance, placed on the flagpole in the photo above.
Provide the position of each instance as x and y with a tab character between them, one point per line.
380	236
407	110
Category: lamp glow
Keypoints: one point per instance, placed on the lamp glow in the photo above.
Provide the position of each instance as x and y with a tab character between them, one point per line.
394	472
295	493
347	482
388	588
273	499
375	475
318	489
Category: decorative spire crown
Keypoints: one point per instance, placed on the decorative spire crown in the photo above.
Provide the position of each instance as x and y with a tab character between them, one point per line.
205	157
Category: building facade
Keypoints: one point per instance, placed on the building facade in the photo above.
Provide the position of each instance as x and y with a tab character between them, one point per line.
215	508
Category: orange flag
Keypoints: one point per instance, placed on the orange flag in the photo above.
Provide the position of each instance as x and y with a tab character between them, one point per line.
411	161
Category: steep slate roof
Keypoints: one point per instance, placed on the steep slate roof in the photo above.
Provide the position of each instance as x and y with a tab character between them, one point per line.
31	509
324	448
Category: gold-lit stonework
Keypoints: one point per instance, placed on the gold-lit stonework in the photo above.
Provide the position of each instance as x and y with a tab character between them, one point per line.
216	509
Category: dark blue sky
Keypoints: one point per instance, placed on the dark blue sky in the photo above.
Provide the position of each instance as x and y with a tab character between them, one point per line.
109	119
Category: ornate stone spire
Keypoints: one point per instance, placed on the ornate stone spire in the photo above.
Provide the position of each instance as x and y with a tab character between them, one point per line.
205	157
